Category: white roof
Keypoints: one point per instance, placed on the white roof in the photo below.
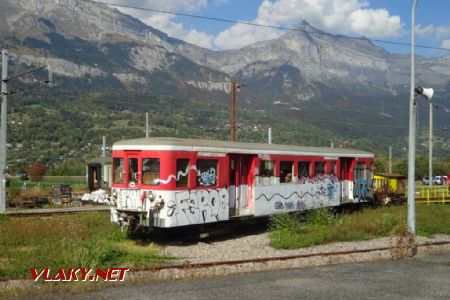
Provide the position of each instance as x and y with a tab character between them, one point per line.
214	146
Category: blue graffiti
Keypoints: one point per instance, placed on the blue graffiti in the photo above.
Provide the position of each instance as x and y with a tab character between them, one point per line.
330	191
300	205
207	178
279	205
289	205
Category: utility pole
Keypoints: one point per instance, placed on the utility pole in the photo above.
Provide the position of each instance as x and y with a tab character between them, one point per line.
3	123
269	134
390	159
146	124
233	111
412	137
104	147
430	150
3	132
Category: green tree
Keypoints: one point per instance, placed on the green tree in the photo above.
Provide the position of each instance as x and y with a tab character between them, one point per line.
380	164
69	168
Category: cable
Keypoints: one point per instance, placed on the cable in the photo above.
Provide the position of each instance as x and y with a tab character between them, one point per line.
262	25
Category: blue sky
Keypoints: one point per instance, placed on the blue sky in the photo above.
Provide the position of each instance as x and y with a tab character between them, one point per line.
388	20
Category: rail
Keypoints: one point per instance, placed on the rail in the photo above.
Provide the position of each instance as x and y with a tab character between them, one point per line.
265	260
433	194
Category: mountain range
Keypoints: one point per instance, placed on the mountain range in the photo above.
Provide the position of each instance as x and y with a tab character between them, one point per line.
338	85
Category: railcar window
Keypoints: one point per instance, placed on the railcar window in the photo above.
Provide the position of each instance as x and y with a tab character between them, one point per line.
207	172
133	170
118	170
303	169
332	168
182	172
359	171
319	167
286	171
266	168
150	171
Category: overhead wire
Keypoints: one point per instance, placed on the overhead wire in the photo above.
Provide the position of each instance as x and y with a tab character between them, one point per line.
262	25
146	104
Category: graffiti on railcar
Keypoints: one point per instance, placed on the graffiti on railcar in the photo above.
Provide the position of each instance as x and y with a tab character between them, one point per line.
199	206
318	191
363	187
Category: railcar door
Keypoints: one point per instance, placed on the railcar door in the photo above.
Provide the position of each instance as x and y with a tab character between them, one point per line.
132	174
94	177
362	182
346	179
241	183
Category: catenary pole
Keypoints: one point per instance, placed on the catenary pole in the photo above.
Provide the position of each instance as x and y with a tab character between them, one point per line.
412	137
3	122
430	150
3	125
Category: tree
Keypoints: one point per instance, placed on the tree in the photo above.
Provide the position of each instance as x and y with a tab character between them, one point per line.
36	172
380	164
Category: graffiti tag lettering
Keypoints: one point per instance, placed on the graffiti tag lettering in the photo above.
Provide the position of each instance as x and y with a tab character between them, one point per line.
199	206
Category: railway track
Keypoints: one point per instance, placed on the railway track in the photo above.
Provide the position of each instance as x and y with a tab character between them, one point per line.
190	270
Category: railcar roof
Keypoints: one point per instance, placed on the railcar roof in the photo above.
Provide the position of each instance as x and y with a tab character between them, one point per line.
214	146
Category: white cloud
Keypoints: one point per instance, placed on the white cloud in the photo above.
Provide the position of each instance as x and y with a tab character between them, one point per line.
431	31
442	31
428	30
445	44
240	35
167	22
374	23
179	5
435	34
337	16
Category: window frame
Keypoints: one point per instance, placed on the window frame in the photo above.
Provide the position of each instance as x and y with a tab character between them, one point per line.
322	164
262	171
291	171
299	169
187	170
117	168
143	172
216	174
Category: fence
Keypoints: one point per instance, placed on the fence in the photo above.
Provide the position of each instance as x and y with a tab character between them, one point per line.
49	182
433	194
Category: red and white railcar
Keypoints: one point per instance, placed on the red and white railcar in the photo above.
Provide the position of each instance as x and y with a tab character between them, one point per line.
170	182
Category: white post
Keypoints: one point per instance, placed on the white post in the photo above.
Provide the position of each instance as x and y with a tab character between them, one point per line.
390	159
104	147
146	124
430	150
270	135
3	125
412	137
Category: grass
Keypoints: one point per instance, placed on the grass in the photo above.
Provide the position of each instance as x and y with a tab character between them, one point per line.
85	240
291	231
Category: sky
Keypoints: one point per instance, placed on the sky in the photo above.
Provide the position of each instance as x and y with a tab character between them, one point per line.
388	20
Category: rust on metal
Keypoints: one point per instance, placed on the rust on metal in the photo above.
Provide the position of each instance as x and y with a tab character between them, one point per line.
282	258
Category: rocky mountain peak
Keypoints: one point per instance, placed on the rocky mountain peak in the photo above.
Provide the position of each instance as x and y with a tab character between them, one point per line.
114	43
